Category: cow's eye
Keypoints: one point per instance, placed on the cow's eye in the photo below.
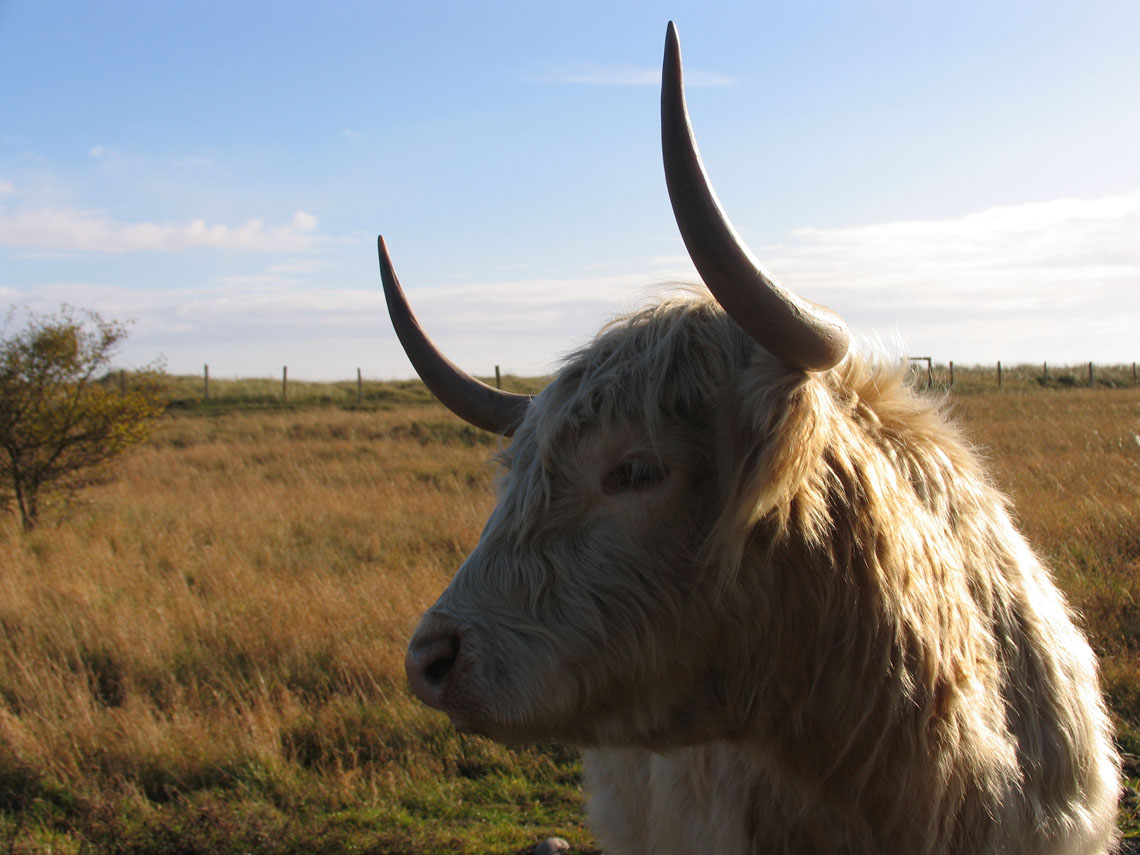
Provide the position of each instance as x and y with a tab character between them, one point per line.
632	475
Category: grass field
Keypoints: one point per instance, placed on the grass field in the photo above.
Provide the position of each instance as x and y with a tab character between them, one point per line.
206	655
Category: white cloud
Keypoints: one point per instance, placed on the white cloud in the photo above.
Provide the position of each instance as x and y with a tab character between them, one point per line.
7	188
304	222
1038	250
251	325
70	229
1053	281
1032	280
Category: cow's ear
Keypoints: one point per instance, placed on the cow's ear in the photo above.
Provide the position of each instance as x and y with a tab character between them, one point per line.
773	431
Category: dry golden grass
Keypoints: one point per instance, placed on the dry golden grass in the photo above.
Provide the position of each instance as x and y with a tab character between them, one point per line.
1070	460
230	615
235	606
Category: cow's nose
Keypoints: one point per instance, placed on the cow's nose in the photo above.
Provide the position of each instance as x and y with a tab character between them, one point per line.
428	663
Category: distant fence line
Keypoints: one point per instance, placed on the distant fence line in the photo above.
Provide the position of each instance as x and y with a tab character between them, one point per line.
212	388
1064	377
285	383
1085	374
929	375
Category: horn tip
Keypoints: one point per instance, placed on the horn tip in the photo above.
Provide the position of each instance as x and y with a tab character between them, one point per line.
387	271
671	64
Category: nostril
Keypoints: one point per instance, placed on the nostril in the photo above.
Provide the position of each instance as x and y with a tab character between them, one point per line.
430	662
444	653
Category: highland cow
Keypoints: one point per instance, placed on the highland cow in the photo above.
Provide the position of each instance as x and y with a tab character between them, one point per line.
764	584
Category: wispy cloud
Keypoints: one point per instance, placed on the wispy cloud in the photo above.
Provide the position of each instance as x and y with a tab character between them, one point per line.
70	229
251	325
602	75
1046	252
1053	279
109	157
194	162
298	266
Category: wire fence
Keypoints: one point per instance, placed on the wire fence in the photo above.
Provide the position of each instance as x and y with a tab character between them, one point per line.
185	391
209	389
928	374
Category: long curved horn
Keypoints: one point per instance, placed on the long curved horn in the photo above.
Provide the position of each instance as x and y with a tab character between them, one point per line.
804	334
470	399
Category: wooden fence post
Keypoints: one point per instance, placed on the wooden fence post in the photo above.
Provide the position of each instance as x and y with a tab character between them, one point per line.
359	388
284	384
206	382
498	378
1090	375
951	373
999	373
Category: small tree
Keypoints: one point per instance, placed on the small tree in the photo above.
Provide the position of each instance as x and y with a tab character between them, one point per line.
60	426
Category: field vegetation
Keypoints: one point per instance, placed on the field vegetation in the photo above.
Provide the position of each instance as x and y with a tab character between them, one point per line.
194	393
1021	377
205	656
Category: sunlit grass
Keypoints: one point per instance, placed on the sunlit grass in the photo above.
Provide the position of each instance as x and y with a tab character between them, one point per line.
230	616
206	655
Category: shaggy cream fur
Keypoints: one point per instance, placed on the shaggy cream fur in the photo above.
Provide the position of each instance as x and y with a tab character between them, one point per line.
783	611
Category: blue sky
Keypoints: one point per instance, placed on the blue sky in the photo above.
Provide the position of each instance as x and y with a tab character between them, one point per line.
959	179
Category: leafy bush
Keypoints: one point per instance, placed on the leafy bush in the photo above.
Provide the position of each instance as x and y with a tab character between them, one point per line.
59	427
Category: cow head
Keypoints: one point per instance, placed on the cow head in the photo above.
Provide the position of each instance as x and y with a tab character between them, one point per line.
593	608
